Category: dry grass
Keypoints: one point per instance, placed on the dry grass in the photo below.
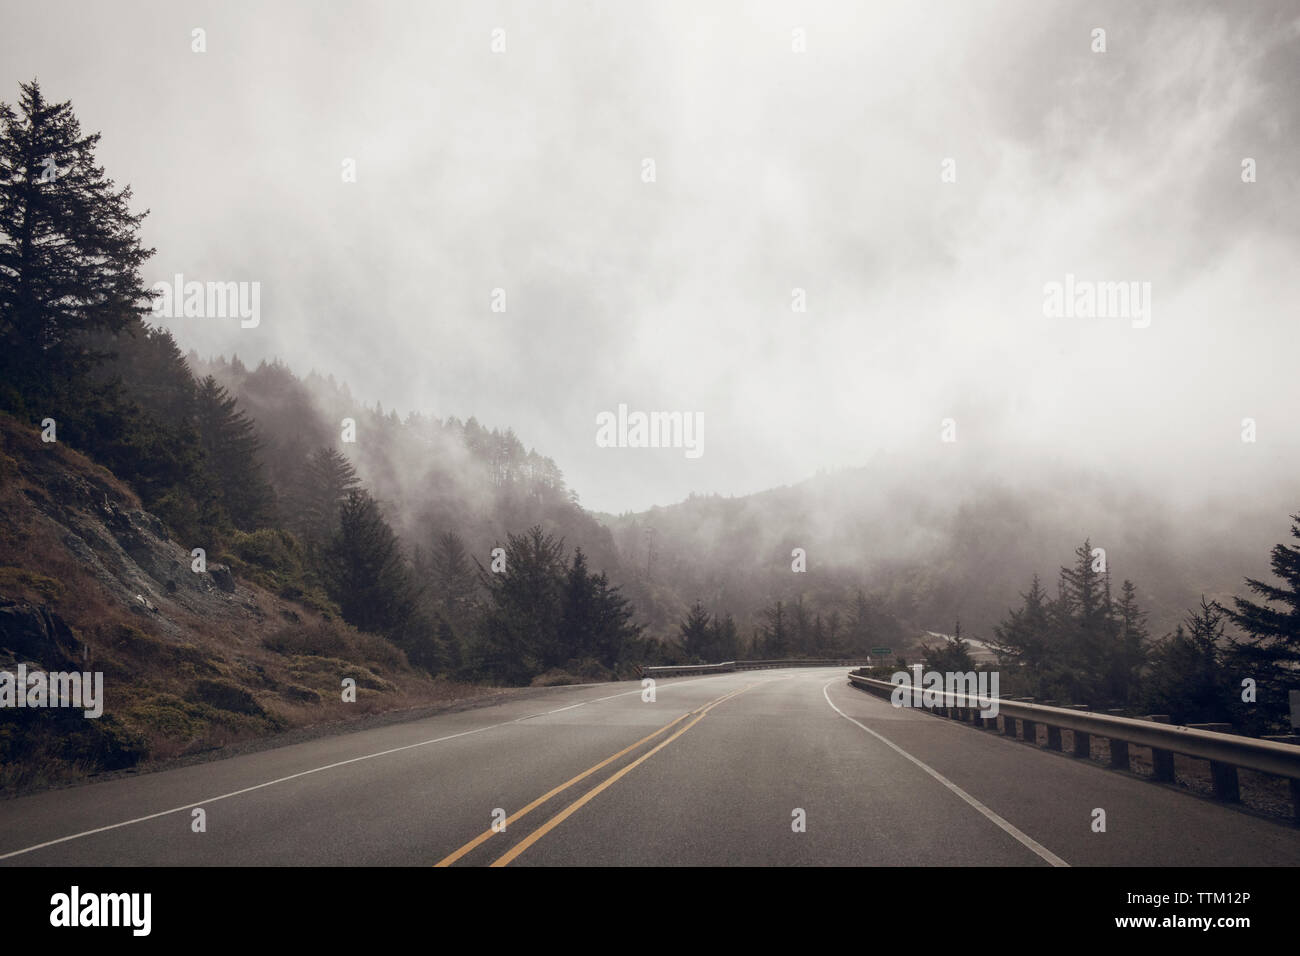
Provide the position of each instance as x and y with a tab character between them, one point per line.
204	672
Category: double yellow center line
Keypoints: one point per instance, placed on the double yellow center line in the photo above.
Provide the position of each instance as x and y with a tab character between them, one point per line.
698	715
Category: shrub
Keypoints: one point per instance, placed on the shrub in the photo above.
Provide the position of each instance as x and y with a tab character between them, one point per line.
322	640
28	585
226	696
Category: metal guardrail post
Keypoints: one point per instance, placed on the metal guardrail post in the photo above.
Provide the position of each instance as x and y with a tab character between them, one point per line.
1162	761
1226	753
1118	748
1053	733
1119	754
1082	745
1082	740
1226	786
1029	728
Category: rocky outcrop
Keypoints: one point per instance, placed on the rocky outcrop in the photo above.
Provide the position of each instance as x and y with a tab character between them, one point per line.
131	553
34	633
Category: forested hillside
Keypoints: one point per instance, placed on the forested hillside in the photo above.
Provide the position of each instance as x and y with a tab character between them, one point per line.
216	546
439	548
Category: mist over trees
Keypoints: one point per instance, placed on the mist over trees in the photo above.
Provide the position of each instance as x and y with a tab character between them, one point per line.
248	465
545	610
1084	645
389	522
1080	646
1268	649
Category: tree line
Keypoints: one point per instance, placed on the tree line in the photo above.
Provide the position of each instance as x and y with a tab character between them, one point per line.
789	629
1085	645
76	347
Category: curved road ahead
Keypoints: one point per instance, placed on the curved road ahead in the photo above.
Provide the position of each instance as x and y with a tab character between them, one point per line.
711	773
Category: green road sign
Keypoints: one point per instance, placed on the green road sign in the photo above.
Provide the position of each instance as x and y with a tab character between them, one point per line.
882	651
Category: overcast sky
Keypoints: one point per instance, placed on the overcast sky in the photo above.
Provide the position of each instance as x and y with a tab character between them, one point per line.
775	170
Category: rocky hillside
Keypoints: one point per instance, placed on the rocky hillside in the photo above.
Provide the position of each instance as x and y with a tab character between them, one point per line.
89	581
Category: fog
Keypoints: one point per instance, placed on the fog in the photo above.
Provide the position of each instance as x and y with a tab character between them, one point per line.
774	171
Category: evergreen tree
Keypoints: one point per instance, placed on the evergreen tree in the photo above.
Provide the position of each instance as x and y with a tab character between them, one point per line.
871	625
1021	639
70	256
1186	678
1085	631
518	633
696	634
776	632
364	569
578	623
817	642
615	633
312	508
860	637
230	446
834	645
452	581
801	636
953	655
1269	649
1127	651
149	367
724	639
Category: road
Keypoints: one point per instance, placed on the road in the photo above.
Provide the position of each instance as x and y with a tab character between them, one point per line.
711	772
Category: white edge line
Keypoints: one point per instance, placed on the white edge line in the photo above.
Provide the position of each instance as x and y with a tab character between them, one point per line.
294	776
1010	828
236	793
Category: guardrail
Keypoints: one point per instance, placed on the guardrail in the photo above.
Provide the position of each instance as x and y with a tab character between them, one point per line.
1226	752
674	670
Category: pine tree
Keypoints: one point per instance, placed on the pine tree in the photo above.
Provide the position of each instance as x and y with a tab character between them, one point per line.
312	507
1127	651
776	632
518	633
149	367
1021	639
801	637
724	639
1085	590
834	644
615	633
230	447
70	256
817	644
364	569
1186	678
1269	650
860	637
451	580
578	623
695	634
953	655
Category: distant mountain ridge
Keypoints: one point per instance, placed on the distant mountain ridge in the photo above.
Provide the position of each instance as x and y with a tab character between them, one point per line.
958	543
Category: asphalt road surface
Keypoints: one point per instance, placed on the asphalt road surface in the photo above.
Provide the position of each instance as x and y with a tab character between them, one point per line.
780	767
